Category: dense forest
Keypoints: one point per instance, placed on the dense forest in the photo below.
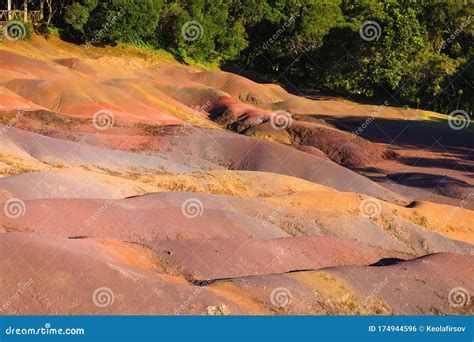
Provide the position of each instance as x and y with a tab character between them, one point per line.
416	53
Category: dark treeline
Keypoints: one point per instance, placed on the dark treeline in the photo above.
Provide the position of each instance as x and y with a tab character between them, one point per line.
419	52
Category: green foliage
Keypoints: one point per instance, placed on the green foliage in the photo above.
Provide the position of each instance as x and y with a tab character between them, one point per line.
77	16
289	30
364	67
47	30
114	21
422	55
203	31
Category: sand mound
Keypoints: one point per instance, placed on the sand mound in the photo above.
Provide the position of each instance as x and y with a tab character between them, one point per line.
442	185
68	183
422	286
167	215
158	217
95	285
190	201
240	153
243	258
78	65
58	153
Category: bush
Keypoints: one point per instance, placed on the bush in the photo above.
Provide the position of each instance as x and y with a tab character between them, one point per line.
317	43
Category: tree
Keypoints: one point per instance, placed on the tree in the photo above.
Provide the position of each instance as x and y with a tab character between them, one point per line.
53	7
360	64
201	30
77	15
286	31
421	53
115	21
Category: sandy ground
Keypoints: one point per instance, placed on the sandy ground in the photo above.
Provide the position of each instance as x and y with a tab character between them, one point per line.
132	184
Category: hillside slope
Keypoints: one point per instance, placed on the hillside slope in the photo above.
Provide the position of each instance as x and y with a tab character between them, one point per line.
132	184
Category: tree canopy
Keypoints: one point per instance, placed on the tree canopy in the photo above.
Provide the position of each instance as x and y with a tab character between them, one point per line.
418	53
